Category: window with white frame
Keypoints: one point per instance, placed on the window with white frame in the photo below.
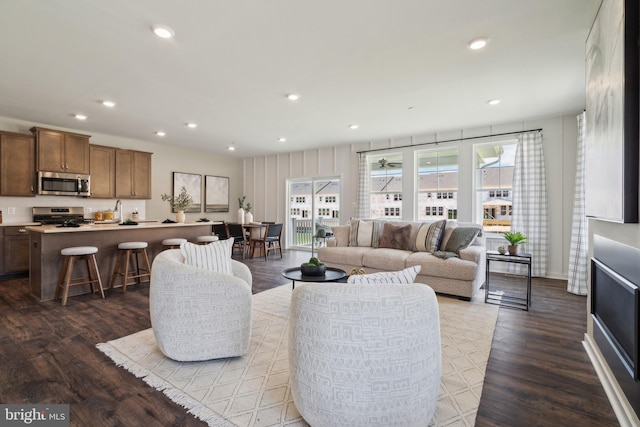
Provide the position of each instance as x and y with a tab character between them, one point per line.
493	184
437	183
386	185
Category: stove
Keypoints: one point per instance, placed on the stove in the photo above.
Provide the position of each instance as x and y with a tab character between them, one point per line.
66	217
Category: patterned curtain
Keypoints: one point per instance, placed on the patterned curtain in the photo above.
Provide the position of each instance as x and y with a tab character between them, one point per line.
530	200
363	202
578	253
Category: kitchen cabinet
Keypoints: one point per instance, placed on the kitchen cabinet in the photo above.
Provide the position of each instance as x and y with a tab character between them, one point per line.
133	174
59	151
15	246
103	172
17	157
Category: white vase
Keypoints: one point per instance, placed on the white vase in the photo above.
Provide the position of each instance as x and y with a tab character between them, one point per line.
248	217
240	216
180	216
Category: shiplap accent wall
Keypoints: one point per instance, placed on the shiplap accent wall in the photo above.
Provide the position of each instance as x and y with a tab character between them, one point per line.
265	177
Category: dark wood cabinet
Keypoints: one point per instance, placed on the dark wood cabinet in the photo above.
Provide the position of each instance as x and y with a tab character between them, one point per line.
17	157
59	151
103	172
15	246
133	174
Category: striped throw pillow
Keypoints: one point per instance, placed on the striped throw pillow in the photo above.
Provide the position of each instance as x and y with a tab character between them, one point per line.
430	236
406	276
215	256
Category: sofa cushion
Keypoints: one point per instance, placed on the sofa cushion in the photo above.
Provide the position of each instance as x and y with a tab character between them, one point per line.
452	268
343	255
385	259
430	236
461	237
215	256
395	236
405	276
365	232
341	234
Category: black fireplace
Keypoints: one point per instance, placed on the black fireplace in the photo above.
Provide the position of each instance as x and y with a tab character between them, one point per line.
615	309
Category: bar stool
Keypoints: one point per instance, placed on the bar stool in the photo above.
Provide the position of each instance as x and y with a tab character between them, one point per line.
65	281
205	240
128	250
173	243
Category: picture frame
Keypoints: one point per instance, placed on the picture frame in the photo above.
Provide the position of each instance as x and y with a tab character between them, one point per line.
612	110
193	183
216	193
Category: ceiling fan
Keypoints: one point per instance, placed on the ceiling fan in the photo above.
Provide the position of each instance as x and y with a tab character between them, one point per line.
384	164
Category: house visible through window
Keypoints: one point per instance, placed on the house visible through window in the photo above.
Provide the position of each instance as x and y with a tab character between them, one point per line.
494	180
437	184
386	185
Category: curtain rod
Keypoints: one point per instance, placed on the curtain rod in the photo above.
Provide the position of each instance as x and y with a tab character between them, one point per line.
450	140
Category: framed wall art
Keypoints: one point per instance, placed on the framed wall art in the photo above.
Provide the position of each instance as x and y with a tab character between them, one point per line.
216	193
193	183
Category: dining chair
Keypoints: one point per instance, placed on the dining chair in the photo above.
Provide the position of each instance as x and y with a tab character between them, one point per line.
270	242
220	230
236	232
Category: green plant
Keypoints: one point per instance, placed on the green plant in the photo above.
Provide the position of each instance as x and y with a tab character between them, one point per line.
515	238
179	202
248	207
241	201
313	262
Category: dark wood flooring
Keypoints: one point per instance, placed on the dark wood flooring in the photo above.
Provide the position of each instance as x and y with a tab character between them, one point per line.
538	372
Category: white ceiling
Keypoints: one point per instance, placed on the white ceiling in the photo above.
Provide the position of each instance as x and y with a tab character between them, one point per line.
232	63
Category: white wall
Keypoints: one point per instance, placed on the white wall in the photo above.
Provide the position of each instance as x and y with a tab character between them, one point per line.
165	160
265	177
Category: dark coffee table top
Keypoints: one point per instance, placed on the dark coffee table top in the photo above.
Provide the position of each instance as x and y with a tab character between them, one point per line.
332	275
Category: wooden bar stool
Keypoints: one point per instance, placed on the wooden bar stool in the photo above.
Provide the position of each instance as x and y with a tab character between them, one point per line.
205	240
65	279
173	243
129	250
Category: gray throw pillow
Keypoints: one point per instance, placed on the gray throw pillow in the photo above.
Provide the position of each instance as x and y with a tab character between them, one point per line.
461	238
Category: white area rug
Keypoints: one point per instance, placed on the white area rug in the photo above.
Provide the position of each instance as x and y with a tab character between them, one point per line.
253	390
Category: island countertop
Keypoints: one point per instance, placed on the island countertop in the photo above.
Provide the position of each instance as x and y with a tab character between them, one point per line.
111	227
46	242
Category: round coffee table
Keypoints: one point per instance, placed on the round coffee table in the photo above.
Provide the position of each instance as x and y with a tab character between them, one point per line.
332	275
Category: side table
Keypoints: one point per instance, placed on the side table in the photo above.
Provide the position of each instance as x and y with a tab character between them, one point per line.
499	297
332	275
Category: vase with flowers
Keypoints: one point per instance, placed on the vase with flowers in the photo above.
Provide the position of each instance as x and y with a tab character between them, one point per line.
179	203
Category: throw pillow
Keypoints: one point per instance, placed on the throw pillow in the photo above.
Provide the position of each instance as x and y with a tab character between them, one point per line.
361	233
430	236
451	225
215	256
461	237
406	276
396	237
341	234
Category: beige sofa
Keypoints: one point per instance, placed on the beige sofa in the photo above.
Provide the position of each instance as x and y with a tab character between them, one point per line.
459	276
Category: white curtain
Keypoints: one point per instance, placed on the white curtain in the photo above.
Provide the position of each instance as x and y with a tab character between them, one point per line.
530	214
578	253
363	202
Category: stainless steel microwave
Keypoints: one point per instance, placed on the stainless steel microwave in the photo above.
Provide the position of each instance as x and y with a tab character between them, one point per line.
64	184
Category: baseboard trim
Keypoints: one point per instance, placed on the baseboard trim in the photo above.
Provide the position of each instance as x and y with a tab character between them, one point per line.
625	414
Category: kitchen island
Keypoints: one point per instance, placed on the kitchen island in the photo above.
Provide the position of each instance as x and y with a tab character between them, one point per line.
46	241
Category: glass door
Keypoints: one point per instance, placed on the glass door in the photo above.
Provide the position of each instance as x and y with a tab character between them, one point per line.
314	204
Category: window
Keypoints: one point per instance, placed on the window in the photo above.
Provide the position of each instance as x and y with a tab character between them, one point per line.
437	183
494	180
386	185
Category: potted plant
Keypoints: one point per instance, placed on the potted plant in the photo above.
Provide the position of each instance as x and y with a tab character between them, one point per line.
248	216
514	238
313	268
241	209
179	203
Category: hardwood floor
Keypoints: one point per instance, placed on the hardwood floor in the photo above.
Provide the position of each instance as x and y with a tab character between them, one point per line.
538	372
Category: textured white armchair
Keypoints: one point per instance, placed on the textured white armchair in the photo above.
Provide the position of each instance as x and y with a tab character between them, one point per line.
198	314
364	355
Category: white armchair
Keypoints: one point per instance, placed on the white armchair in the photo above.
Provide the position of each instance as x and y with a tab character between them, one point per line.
198	314
364	355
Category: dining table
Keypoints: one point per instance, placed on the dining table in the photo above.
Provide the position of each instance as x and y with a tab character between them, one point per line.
255	230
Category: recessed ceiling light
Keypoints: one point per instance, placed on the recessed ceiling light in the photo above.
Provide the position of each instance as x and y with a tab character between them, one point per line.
293	97
478	43
282	139
80	117
109	104
354	126
192	125
493	102
163	31
232	148
160	133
